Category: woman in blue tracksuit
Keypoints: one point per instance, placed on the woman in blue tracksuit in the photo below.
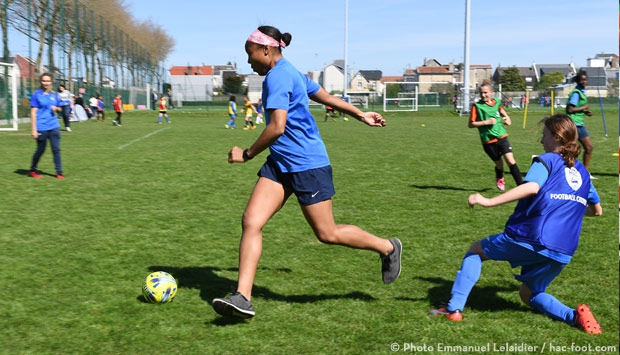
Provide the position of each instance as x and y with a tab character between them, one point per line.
44	104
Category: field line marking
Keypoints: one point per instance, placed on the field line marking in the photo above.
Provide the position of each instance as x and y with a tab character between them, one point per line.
141	138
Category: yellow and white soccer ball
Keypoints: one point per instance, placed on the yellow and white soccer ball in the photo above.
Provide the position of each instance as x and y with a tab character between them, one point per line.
159	287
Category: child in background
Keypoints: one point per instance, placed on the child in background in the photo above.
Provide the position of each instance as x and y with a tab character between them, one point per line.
232	112
249	109
163	110
93	103
259	111
100	109
118	108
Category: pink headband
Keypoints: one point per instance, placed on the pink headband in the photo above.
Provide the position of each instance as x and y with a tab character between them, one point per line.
260	38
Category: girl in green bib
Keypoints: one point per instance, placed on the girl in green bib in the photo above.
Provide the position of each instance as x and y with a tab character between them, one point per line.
489	117
578	108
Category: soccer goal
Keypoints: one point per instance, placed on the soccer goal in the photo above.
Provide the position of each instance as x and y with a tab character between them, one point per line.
428	99
8	97
400	96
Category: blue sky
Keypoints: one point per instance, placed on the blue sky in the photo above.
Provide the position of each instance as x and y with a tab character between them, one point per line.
388	35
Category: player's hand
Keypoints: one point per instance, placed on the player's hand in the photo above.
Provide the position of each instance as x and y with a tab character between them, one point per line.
373	119
477	199
235	155
35	134
588	112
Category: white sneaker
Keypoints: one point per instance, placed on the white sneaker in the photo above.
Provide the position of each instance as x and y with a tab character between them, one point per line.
592	177
114	123
68	129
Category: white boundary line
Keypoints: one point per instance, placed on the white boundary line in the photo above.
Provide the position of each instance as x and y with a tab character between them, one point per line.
142	138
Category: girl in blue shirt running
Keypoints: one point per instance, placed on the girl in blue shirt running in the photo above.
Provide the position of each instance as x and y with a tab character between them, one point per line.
542	234
297	164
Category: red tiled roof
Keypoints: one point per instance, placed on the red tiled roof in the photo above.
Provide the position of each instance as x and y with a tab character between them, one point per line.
191	70
444	69
392	78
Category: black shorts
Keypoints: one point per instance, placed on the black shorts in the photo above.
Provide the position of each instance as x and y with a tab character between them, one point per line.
496	150
310	186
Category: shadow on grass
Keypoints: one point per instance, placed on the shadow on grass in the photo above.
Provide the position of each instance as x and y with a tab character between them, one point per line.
25	172
483	298
211	285
437	187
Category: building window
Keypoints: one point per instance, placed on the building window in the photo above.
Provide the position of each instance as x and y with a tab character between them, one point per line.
359	84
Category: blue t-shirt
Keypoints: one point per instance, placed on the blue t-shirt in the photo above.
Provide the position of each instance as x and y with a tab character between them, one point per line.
43	102
301	147
550	221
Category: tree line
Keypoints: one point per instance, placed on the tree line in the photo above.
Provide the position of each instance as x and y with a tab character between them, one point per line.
87	39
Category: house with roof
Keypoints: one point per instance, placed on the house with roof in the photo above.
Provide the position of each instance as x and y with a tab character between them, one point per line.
568	70
198	83
527	73
192	83
332	78
366	81
433	72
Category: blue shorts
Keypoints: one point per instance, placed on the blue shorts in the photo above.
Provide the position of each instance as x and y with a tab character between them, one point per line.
310	186
582	132
537	271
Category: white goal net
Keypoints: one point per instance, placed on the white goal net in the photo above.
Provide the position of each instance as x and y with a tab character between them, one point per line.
8	97
400	96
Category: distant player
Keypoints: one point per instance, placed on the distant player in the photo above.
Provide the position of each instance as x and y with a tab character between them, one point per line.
163	110
249	110
118	108
232	112
577	108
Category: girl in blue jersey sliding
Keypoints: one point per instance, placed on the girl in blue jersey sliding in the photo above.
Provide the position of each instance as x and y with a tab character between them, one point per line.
297	164
542	234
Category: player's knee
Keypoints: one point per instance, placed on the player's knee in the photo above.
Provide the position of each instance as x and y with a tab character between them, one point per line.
326	238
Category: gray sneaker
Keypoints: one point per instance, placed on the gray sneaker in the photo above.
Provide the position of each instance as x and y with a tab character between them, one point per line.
235	305
390	264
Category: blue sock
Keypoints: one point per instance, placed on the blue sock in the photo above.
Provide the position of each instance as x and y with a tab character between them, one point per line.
552	307
465	280
158	119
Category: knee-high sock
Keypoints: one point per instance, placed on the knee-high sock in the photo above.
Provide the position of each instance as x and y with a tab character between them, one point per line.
552	307
465	280
499	173
516	174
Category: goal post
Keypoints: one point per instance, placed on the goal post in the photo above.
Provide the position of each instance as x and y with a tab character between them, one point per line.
8	97
400	96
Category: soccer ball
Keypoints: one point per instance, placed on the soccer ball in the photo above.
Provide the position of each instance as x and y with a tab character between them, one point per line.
159	287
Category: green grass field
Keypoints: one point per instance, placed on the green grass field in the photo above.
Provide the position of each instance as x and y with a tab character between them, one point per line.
147	197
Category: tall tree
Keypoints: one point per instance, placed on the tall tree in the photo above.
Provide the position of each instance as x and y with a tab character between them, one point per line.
511	80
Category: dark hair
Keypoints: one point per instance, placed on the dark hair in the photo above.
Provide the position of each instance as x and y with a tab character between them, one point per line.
579	74
232	98
565	132
276	34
